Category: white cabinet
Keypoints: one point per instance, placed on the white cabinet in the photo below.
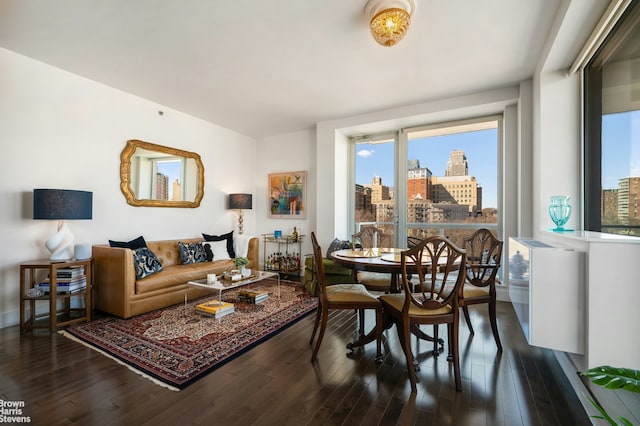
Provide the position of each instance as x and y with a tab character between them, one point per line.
545	288
611	287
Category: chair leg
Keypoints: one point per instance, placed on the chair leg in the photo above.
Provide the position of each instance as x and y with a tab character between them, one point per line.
315	325
453	348
379	335
435	340
361	323
404	334
465	310
494	324
323	327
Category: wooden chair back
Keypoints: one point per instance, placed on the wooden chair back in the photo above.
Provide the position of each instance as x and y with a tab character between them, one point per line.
435	263
484	253
372	237
319	266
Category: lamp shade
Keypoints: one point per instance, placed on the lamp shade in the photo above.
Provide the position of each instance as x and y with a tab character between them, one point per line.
61	204
240	201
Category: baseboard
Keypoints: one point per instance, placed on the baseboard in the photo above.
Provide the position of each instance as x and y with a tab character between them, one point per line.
9	319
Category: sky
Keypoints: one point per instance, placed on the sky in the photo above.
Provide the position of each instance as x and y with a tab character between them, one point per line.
620	147
480	148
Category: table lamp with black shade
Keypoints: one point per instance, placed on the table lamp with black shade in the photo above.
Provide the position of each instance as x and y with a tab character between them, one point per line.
61	205
240	202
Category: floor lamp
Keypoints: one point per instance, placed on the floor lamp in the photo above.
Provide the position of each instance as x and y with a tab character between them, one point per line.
240	202
61	205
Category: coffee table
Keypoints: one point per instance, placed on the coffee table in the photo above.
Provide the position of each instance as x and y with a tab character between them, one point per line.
223	284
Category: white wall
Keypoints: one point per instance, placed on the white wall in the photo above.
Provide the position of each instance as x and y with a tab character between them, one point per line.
286	153
59	130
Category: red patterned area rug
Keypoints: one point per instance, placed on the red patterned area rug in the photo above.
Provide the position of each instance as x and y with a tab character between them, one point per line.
176	346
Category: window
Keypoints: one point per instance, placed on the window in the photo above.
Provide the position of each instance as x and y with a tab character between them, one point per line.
612	130
450	185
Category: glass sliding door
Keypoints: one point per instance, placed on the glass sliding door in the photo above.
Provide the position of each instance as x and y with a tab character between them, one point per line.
431	180
375	183
452	177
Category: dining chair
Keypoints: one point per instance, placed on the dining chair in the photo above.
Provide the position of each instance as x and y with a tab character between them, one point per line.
429	298
371	237
484	252
343	296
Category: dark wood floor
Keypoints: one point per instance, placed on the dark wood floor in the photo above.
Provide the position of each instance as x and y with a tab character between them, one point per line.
63	382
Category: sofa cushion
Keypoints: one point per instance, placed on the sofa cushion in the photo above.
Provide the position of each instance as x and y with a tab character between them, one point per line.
145	262
218	250
228	237
133	244
191	253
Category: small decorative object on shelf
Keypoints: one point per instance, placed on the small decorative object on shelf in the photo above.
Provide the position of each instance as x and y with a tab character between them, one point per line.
560	211
294	235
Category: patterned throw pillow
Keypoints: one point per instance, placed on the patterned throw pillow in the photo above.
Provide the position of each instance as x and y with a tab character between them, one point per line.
228	238
191	253
336	245
146	262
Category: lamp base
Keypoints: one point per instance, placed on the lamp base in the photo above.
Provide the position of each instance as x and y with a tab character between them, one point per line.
59	245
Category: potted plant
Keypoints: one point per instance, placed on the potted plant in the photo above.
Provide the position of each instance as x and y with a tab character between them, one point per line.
242	262
613	378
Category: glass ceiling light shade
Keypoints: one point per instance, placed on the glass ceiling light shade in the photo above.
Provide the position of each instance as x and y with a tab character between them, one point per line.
389	19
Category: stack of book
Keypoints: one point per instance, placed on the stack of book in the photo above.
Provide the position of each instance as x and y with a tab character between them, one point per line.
215	308
248	296
68	280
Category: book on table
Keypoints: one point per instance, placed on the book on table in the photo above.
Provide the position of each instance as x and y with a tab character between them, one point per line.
70	272
215	308
65	285
249	296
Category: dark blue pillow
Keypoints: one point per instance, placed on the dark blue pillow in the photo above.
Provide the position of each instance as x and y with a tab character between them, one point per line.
146	262
191	253
228	237
133	244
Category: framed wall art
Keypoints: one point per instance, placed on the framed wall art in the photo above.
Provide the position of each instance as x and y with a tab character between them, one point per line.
287	195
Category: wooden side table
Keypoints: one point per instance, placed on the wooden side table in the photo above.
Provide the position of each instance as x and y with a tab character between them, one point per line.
28	280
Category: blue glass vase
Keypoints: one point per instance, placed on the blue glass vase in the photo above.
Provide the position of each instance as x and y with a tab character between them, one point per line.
560	211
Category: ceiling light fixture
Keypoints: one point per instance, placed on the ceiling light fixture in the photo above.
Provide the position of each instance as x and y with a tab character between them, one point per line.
389	19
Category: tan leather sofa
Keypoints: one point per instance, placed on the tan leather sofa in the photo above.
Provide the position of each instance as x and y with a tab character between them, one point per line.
118	292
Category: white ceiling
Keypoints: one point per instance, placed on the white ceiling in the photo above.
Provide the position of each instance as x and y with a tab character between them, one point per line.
264	68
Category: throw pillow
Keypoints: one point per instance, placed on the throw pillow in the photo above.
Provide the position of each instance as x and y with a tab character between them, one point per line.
133	244
146	262
191	253
224	237
336	245
218	249
206	246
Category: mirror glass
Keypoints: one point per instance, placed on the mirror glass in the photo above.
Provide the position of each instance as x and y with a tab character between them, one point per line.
159	176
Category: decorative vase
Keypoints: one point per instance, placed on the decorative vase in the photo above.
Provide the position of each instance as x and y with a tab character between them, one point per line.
244	271
560	211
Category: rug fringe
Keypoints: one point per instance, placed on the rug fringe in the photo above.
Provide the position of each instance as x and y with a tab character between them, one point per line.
141	373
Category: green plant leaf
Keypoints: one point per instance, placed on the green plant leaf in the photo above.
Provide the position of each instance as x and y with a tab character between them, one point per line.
604	415
614	377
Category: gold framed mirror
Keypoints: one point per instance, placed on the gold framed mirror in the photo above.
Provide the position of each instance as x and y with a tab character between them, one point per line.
160	176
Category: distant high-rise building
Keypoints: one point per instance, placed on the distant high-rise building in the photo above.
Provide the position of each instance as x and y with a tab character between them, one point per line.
457	190
379	192
177	190
457	164
418	181
610	206
628	201
162	186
